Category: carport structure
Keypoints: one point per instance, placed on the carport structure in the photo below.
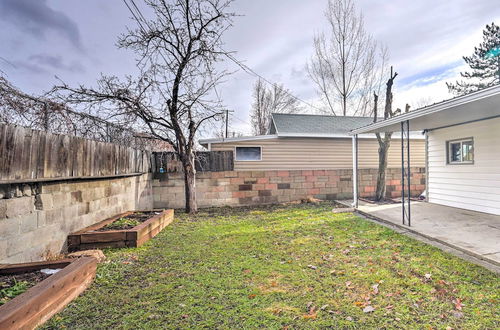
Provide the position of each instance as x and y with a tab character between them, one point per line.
462	169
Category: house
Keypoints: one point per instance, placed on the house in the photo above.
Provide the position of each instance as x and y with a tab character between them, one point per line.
462	139
309	142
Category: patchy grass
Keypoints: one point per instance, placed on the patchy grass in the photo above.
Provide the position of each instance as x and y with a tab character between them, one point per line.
297	266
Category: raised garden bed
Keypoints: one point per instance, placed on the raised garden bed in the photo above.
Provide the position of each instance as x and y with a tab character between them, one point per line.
130	229
44	294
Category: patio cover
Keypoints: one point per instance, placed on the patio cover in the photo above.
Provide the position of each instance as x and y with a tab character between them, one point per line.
483	104
480	105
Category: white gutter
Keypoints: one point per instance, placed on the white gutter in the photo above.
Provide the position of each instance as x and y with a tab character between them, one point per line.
431	109
236	139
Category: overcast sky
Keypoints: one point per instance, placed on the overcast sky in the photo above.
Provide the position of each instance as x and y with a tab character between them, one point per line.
75	40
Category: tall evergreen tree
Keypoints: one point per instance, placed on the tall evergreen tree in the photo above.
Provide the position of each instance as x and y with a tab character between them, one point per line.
485	64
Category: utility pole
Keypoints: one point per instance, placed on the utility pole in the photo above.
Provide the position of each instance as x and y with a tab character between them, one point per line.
227	121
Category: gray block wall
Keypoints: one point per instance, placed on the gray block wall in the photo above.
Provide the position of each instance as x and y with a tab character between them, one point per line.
35	218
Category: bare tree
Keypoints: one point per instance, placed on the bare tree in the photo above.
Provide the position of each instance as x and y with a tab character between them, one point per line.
384	141
268	100
347	63
174	94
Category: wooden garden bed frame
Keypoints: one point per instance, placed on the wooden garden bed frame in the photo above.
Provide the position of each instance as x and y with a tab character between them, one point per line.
39	303
89	238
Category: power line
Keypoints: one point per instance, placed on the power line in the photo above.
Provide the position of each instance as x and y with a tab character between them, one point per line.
243	66
250	71
144	31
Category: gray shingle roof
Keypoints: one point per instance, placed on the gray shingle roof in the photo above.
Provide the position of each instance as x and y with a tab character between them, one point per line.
315	125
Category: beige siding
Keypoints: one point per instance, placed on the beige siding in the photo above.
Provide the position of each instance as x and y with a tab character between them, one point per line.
474	186
312	153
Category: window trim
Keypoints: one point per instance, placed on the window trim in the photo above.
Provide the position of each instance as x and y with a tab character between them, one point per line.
248	160
461	162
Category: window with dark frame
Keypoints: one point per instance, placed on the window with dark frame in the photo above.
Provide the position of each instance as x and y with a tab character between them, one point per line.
460	151
248	153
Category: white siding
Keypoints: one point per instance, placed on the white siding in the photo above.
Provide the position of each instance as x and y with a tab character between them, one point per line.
468	186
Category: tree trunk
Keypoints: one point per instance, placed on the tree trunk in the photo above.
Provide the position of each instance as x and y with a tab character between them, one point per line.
190	183
383	149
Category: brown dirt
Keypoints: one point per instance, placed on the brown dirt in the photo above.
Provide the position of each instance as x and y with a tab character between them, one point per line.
139	217
8	281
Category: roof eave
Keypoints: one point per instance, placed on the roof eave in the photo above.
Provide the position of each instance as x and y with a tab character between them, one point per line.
429	110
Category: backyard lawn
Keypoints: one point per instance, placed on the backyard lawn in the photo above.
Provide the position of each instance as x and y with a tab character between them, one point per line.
284	267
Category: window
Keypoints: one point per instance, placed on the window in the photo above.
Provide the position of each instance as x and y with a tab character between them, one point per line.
248	153
461	151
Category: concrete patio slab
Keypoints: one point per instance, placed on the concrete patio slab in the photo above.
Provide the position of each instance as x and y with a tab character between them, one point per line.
473	233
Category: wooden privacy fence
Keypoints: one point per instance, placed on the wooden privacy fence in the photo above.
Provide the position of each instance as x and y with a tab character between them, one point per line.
31	155
206	161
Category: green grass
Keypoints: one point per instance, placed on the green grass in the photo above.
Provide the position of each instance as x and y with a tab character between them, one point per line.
9	293
296	266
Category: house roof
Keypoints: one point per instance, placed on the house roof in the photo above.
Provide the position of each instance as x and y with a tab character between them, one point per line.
480	105
308	126
304	125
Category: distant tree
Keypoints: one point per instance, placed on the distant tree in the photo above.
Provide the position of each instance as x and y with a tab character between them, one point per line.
484	62
178	51
347	64
268	100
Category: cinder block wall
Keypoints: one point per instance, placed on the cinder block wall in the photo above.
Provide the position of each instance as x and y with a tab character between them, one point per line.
238	188
36	218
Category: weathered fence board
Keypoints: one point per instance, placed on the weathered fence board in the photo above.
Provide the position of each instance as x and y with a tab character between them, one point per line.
206	161
27	154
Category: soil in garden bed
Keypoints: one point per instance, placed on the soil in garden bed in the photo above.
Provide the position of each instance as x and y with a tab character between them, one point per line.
14	285
129	221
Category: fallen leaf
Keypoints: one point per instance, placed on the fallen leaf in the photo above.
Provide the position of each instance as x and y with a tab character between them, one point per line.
458	304
389	307
309	316
428	276
348	283
322	308
368	309
348	318
375	288
312	266
251	296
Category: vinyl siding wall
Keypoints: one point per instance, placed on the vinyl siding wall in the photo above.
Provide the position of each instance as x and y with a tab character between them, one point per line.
468	186
312	153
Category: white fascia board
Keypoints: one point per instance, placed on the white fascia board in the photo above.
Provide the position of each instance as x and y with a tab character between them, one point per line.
431	109
413	135
237	139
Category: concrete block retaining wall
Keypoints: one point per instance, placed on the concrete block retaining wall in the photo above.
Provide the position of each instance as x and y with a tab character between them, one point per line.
238	188
35	218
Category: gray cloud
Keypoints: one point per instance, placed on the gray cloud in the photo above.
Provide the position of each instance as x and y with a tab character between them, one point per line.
45	64
56	62
37	18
